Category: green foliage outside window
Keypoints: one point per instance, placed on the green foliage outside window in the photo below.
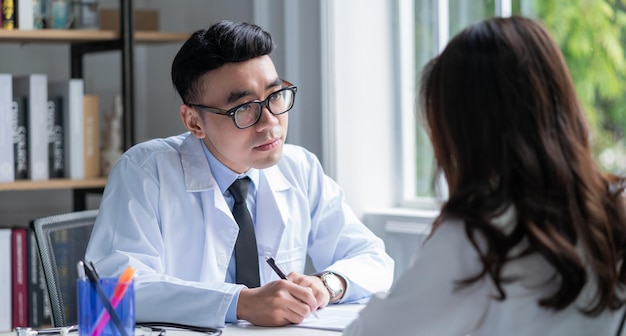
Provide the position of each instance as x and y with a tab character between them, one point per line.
592	37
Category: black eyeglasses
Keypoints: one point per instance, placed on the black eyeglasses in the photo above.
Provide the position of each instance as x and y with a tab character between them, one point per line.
249	113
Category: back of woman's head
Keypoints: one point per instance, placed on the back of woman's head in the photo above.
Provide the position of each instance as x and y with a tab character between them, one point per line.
209	49
500	93
507	130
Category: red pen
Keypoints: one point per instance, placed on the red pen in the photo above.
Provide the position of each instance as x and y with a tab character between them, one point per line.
118	293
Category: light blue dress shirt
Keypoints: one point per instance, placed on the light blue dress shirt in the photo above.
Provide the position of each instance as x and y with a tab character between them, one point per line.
224	178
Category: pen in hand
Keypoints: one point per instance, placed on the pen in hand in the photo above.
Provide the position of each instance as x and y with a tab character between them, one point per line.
282	275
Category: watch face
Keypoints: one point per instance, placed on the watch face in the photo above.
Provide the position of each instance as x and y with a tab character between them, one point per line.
333	282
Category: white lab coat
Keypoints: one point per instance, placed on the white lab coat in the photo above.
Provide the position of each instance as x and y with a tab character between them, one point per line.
424	300
162	213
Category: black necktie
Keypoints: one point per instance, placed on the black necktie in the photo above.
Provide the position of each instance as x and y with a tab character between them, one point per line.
246	255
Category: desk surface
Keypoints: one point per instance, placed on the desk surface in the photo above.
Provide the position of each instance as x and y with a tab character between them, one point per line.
235	330
332	315
247	330
280	331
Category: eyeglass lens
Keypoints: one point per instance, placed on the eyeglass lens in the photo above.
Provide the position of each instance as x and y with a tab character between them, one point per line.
277	103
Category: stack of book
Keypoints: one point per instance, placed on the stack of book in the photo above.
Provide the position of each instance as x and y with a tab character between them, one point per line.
21	280
47	130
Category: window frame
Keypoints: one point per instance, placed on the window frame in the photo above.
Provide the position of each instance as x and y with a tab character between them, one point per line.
408	93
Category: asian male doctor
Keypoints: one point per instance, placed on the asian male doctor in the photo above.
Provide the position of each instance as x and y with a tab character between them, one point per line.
169	209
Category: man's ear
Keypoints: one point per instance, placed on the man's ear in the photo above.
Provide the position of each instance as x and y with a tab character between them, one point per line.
192	121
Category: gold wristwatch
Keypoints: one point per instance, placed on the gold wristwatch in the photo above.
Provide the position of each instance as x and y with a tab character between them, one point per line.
333	285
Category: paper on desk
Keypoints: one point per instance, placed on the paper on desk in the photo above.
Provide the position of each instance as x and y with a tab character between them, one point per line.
333	317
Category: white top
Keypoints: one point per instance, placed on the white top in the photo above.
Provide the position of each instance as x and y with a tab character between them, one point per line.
424	302
163	213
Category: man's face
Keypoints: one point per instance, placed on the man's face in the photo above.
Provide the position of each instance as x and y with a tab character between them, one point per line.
259	146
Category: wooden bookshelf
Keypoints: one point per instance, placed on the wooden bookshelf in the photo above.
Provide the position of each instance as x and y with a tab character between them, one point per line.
82	42
75	36
53	184
78	36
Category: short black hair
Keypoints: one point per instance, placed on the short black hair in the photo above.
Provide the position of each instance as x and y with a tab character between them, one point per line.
209	49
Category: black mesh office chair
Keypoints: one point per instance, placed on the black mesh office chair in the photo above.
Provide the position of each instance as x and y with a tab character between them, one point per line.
62	241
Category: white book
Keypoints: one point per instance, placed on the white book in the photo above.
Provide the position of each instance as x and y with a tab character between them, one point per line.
35	87
25	14
5	280
7	168
71	93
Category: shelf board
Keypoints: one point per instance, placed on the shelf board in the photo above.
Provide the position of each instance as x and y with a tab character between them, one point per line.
160	37
77	35
51	184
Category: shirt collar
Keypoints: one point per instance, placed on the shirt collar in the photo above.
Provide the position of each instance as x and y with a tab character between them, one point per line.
224	176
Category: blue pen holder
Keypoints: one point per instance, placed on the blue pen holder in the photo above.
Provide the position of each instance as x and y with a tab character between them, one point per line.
91	310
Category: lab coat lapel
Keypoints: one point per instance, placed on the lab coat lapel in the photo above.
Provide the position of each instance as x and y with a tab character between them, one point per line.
222	228
198	178
222	233
196	171
272	214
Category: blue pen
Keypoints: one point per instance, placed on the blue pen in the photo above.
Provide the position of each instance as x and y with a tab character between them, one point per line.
282	275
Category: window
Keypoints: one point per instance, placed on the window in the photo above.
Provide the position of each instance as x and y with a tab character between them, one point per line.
591	34
425	27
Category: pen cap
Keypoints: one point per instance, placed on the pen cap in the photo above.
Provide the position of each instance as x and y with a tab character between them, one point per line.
93	318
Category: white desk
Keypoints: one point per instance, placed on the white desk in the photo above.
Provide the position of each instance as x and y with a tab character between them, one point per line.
338	312
249	330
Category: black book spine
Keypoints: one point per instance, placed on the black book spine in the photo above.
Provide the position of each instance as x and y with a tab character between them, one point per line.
40	314
20	137
55	137
35	294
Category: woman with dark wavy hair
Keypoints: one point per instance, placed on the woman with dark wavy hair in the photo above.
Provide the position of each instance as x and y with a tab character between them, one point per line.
531	240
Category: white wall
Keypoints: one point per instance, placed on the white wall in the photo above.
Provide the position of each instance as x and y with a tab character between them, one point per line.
359	102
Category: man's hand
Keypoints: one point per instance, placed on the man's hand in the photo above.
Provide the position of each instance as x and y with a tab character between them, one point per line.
277	303
315	284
